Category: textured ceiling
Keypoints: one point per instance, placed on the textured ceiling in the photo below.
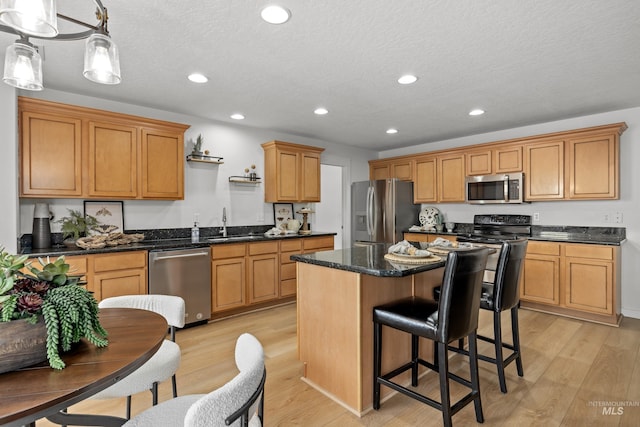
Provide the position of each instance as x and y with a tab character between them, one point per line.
523	62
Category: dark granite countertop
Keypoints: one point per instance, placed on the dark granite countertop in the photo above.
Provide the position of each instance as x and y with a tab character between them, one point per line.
161	244
568	234
365	259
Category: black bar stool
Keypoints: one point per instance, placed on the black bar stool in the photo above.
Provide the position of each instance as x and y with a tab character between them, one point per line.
503	295
454	317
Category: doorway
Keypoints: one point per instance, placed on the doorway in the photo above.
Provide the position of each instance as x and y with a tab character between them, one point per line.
329	212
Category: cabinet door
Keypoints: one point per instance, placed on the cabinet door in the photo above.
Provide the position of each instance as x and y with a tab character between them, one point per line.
228	279
507	160
310	177
424	186
263	277
451	178
162	165
544	169
593	167
120	282
379	171
589	285
51	156
479	163
416	237
113	160
541	279
402	170
288	173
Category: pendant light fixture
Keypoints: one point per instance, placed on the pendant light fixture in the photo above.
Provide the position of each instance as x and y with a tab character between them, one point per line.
23	66
38	19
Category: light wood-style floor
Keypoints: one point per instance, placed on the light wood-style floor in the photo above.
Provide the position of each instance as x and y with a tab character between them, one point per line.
575	374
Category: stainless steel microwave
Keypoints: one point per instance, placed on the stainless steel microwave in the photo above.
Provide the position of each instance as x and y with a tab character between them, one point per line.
503	188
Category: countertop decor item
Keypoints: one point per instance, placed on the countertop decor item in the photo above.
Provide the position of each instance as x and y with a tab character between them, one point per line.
47	295
305	220
110	216
429	217
76	225
282	212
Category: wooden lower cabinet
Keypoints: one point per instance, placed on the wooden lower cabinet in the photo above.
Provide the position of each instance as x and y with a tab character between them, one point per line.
117	274
246	276
263	271
228	277
577	280
426	237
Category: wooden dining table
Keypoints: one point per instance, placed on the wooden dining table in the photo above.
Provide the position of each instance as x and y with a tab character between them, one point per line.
39	391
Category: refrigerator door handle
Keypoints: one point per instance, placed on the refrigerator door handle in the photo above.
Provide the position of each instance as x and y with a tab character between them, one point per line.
370	211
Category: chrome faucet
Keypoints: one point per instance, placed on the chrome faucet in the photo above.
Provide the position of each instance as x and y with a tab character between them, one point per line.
223	229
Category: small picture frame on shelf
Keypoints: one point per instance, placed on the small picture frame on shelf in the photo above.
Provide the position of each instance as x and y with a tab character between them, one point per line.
109	214
282	212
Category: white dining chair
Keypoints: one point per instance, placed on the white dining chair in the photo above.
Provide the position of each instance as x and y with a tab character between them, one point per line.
239	402
164	363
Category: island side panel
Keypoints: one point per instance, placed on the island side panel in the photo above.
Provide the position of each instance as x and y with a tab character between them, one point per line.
328	328
396	345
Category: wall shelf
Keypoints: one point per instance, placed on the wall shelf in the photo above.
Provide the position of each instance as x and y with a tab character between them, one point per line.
204	159
245	180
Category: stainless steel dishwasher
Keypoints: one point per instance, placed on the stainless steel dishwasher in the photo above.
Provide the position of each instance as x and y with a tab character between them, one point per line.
185	273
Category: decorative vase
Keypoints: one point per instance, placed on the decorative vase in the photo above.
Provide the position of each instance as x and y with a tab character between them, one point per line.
22	344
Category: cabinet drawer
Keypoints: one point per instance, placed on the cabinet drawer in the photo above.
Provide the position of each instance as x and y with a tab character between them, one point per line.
263	248
317	242
288	287
77	264
228	251
121	261
288	271
543	248
285	257
291	245
589	251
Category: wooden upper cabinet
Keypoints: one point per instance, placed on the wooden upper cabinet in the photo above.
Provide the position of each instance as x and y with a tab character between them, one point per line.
162	154
291	172
450	181
593	166
379	171
78	152
425	188
544	170
113	160
494	161
401	169
51	155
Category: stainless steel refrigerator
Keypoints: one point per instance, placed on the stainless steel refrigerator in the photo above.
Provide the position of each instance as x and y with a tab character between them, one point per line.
381	210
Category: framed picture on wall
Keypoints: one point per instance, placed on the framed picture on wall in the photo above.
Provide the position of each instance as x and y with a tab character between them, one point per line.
109	215
282	212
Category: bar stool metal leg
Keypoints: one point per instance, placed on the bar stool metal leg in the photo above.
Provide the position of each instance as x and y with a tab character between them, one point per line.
497	327
377	363
515	331
475	378
443	370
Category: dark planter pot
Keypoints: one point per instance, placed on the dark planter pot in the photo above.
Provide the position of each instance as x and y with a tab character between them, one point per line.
22	344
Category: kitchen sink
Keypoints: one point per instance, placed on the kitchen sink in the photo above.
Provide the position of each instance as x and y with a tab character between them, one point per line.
235	238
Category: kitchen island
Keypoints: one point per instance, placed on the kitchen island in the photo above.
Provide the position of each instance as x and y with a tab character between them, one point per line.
336	292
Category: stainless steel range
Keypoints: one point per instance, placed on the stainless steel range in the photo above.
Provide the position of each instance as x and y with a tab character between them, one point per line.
491	230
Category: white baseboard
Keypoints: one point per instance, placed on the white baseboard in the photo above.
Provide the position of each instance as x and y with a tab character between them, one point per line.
635	314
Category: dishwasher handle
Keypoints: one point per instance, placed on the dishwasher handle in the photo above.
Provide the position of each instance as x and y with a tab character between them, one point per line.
160	258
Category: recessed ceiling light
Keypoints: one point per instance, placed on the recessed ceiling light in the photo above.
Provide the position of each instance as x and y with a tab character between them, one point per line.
392	130
237	116
198	78
476	112
321	111
275	14
407	79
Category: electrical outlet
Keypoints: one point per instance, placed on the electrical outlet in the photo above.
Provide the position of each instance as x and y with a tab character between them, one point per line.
617	217
536	216
606	218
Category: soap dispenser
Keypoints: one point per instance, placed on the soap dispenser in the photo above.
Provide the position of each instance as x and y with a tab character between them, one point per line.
195	231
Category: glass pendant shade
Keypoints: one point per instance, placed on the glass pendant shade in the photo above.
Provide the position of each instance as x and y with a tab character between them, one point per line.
101	61
23	66
33	17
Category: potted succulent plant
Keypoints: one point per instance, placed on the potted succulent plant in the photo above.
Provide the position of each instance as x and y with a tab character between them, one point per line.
197	146
43	312
76	225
